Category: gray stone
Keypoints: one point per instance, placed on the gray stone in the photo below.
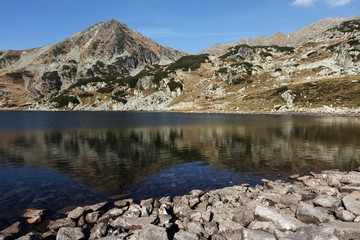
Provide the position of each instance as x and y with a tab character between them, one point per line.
92	217
344	215
76	213
349	189
308	214
68	233
112	213
326	201
99	230
30	236
351	205
264	226
123	203
282	222
230	230
357	219
196	192
133	211
5	236
97	207
250	234
344	230
289	199
132	223
34	215
194	227
316	233
149	201
153	232
193	201
13	229
63	222
49	235
243	215
218	236
211	228
182	235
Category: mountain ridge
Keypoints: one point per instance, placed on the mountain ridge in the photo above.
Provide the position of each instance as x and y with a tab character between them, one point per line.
109	66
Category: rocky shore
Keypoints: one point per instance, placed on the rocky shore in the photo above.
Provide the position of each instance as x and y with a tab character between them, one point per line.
319	206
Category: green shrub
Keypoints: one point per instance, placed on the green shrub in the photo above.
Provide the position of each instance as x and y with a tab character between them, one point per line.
189	62
118	99
223	70
266	54
107	89
58	51
282	89
85	95
64	100
173	85
278	70
120	93
238	81
159	75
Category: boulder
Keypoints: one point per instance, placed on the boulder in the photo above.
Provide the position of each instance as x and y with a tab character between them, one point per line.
351	205
318	233
76	213
326	201
92	217
97	207
13	229
243	215
182	235
62	222
250	234
134	223
69	233
344	230
153	232
34	215
344	215
308	214
230	230
282	222
264	226
99	230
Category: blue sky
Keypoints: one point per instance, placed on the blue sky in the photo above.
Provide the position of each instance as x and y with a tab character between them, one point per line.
188	25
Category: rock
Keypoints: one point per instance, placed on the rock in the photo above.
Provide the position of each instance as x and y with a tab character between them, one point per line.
182	235
193	201
194	227
30	236
123	203
97	207
132	223
289	199
282	222
351	205
63	222
13	229
196	193
34	215
308	214
69	233
344	215
154	232
357	219
264	226
349	189
76	213
318	233
4	236
243	215
326	201
49	235
112	213
294	176
92	217
230	230
149	201
250	234
312	183
344	230
211	228
99	230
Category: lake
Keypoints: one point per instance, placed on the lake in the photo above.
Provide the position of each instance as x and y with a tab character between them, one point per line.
59	160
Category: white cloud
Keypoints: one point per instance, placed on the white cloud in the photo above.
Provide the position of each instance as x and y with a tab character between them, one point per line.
333	3
336	3
304	3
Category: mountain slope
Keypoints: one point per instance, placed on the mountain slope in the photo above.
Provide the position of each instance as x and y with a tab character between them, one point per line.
281	39
102	49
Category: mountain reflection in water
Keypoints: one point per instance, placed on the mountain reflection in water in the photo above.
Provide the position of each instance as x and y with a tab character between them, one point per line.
37	168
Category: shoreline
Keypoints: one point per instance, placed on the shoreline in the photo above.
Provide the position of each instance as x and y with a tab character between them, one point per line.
304	113
325	205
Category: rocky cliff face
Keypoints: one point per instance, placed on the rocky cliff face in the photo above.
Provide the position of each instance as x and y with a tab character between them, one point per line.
111	67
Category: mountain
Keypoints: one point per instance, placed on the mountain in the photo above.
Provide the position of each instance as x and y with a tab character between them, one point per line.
281	39
102	49
111	67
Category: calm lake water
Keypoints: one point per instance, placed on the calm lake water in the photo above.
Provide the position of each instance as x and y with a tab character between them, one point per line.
58	160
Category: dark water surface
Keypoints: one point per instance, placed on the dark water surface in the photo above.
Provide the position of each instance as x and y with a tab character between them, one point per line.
58	160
